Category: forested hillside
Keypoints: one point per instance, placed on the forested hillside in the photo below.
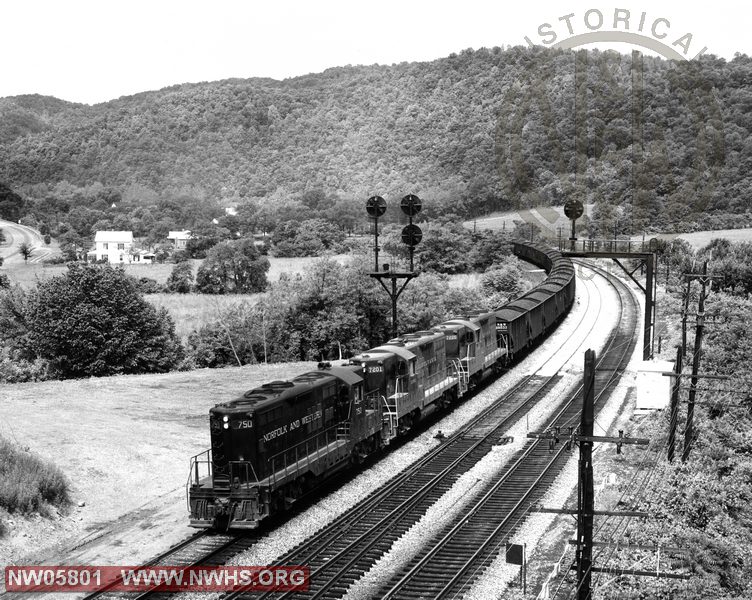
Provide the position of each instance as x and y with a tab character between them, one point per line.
474	132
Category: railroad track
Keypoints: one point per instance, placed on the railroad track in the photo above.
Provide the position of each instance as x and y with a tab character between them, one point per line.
205	548
340	553
460	552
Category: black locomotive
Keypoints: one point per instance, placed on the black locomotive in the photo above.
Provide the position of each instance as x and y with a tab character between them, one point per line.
278	441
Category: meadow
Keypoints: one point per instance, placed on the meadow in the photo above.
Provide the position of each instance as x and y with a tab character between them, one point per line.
700	239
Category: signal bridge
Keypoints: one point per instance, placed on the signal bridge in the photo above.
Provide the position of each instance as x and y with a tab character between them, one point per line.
604	248
641	251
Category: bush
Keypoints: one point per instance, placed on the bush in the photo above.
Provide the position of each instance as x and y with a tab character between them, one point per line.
55	260
309	238
94	321
16	369
180	256
504	279
147	285
28	482
233	268
180	280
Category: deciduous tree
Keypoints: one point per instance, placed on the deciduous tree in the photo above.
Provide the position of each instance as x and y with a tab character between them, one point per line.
93	321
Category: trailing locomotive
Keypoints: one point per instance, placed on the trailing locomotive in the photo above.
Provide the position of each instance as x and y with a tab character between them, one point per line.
278	441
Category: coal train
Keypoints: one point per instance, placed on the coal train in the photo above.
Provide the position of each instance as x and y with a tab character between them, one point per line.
278	441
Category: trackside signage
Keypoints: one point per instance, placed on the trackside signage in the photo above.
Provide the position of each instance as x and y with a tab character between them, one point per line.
162	578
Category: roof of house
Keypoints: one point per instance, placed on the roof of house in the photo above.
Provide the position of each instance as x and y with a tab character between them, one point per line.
119	237
185	234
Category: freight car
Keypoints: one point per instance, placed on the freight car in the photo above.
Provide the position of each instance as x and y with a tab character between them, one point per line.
278	441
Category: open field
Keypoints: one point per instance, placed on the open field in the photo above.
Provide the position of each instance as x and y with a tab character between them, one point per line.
192	311
699	239
27	274
114	438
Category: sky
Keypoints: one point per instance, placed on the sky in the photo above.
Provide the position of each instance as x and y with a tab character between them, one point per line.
92	51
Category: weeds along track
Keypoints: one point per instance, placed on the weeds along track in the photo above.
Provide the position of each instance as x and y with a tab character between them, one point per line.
459	553
340	553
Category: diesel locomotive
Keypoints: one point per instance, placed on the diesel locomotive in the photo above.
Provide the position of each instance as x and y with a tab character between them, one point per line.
278	441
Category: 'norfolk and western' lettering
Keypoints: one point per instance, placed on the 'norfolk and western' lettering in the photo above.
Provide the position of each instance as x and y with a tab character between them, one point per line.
292	426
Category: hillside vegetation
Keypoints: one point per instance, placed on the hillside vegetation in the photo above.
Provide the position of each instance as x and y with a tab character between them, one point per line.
474	132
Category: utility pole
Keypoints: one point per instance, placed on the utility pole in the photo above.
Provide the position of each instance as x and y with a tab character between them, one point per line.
684	318
696	354
585	490
674	418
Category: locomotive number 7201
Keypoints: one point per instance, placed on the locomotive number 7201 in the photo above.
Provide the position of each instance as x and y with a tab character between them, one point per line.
375	369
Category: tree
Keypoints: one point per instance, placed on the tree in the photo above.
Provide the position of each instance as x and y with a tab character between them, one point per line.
26	251
11	204
93	321
233	268
504	282
180	280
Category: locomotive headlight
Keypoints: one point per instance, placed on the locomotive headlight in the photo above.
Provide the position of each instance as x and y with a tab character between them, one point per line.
226	426
225	418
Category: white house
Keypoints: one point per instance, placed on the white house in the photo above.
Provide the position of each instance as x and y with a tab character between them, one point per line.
179	238
114	246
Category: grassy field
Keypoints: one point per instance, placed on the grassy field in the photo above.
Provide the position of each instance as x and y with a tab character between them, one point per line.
191	311
27	274
699	239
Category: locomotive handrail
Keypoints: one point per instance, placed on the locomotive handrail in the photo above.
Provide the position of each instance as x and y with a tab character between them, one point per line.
194	470
248	467
307	454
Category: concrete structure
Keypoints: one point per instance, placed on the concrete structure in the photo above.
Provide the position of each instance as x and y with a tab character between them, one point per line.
653	388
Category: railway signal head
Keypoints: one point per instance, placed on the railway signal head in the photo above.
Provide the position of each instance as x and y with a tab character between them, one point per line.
375	206
411	235
411	205
573	209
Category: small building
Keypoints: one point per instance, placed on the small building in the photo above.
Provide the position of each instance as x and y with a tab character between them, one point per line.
113	246
179	239
143	257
